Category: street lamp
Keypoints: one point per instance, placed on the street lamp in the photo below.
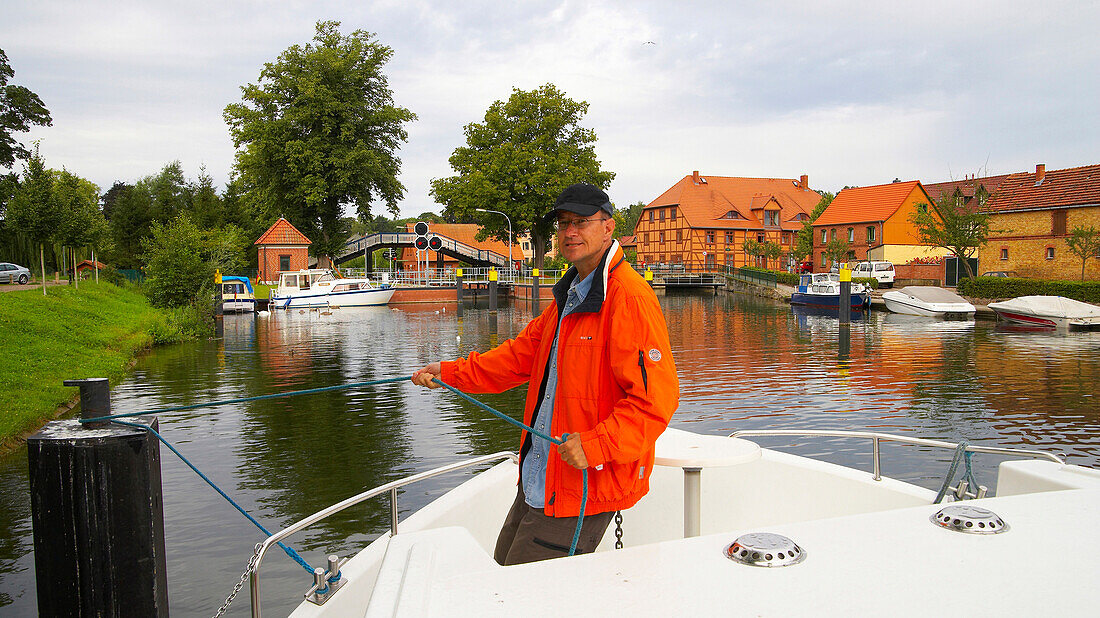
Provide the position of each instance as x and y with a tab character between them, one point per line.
509	220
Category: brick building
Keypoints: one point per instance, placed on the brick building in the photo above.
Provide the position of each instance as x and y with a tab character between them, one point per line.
280	249
705	220
1036	213
875	222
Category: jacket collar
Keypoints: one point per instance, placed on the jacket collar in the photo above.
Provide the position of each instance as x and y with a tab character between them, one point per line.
594	300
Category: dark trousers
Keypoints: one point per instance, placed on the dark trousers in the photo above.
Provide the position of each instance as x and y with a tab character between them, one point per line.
529	534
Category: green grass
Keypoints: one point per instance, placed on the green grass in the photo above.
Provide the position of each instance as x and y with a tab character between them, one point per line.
93	332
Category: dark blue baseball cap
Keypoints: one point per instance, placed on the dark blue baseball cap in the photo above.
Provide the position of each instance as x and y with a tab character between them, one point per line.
582	198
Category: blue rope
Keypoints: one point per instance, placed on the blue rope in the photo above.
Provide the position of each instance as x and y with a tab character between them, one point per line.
289	551
223	402
503	416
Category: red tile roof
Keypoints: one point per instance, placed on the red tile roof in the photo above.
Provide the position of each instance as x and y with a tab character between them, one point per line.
282	233
1075	186
465	233
704	204
876	203
628	241
967	186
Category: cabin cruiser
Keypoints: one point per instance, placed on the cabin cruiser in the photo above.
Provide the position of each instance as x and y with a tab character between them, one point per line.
928	301
731	528
236	294
823	290
1048	311
320	287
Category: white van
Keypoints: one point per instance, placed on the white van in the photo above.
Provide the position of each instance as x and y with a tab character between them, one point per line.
883	271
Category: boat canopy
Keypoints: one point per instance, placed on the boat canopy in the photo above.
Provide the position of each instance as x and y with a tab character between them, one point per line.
1051	306
932	294
247	283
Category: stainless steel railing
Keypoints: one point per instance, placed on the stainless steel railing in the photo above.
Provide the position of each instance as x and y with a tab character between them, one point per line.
391	488
876	438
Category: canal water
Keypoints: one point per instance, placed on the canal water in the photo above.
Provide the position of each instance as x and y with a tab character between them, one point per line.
744	363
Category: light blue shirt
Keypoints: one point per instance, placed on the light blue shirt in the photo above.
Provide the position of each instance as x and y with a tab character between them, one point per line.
533	472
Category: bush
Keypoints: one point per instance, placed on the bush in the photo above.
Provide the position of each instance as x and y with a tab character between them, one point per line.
175	272
186	323
870	282
1011	287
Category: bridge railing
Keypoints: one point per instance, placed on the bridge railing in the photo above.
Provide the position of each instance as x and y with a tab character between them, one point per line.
379	239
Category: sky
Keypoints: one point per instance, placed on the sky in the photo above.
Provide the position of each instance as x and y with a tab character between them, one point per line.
849	93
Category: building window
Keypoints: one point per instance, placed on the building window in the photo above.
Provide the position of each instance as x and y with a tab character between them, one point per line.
771	217
729	238
851	234
824	236
729	259
870	234
661	236
1058	223
284	262
662	214
922	207
651	216
1004	253
710	237
786	238
679	234
823	260
1050	253
833	234
760	237
672	213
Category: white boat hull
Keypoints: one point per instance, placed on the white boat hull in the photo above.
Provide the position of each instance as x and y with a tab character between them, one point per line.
870	548
1048	311
239	305
899	303
353	298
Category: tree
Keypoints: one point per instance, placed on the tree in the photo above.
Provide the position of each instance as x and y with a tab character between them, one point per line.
1084	242
837	250
951	223
80	222
773	251
131	221
804	242
319	132
525	152
630	217
33	209
753	248
175	271
19	110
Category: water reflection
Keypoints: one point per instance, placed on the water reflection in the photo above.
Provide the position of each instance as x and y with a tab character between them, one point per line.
744	363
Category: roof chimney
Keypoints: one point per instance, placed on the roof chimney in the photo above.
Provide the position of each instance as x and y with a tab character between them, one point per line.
695	177
1040	173
804	182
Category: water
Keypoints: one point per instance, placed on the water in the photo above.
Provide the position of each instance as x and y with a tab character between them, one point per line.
744	363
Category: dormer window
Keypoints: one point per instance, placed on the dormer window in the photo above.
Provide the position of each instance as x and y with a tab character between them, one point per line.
771	217
733	214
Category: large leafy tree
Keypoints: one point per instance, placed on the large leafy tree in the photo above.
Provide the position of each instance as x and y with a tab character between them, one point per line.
320	131
955	224
80	222
20	109
518	160
1084	242
804	242
34	210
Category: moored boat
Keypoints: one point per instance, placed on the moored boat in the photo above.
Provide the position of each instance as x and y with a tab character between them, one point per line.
927	300
718	508
823	290
320	287
236	294
1048	311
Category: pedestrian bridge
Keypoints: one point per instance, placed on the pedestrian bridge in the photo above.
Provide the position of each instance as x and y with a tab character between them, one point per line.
442	245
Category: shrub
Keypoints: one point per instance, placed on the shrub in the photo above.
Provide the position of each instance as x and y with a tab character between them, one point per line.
175	272
1011	287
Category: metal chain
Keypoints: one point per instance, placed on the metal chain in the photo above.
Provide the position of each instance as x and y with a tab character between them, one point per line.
618	529
240	584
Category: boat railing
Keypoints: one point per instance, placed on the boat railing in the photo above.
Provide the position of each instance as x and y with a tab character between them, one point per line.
390	488
877	438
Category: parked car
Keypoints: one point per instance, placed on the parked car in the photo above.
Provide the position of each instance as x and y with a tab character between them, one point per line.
882	271
1000	273
13	273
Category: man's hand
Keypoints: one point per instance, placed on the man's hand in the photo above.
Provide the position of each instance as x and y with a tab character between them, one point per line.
424	376
572	452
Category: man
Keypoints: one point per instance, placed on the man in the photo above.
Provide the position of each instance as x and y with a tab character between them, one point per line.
598	368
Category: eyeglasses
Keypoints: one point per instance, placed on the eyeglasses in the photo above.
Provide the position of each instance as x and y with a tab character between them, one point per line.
562	225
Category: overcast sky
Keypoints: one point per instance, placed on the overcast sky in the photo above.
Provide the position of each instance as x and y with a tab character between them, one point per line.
850	93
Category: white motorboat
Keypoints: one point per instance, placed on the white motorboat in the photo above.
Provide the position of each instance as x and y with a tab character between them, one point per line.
236	294
319	287
840	541
1050	311
928	301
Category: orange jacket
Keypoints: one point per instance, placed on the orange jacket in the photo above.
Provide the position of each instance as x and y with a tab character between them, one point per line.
617	385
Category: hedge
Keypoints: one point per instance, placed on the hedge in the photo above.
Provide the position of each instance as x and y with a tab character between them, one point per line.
791	279
1011	287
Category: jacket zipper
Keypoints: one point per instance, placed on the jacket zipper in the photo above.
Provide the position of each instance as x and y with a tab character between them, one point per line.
645	378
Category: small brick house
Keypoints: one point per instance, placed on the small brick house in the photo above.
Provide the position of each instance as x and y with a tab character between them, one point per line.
1036	212
280	249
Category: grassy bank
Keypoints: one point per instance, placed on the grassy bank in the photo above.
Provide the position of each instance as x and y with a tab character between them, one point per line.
91	332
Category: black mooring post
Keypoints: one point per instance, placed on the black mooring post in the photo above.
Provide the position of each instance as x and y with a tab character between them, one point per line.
97	514
845	302
535	292
458	289
492	289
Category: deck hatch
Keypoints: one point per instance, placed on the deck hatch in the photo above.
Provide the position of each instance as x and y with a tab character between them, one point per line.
969	519
765	549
